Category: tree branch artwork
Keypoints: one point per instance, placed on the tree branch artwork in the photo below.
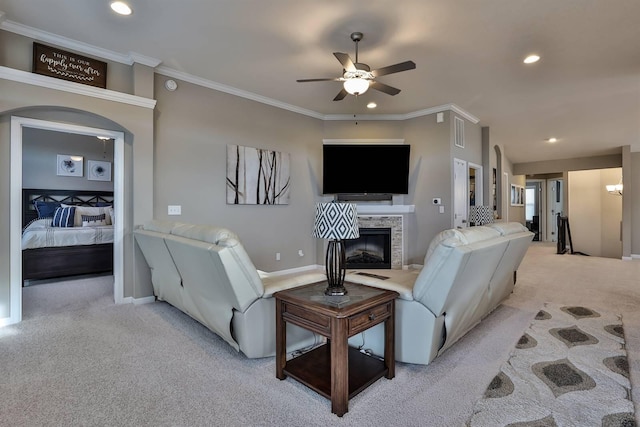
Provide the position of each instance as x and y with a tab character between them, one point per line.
257	177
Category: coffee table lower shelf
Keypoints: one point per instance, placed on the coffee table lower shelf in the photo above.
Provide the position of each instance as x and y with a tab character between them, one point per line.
313	369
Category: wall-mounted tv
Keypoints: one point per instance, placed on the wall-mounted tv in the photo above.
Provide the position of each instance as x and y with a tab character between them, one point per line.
365	169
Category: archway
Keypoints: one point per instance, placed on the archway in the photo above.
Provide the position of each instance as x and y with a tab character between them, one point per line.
17	125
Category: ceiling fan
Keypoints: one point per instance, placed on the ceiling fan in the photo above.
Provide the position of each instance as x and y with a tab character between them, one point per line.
357	77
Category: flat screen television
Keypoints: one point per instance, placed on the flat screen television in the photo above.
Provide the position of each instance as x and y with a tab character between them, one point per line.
365	169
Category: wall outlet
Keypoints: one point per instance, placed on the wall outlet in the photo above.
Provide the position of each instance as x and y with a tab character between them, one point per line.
174	210
277	256
300	252
437	201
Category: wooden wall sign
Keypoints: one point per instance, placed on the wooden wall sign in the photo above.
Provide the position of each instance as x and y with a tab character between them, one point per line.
53	62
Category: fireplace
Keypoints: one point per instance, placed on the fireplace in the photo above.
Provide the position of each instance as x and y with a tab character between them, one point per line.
371	250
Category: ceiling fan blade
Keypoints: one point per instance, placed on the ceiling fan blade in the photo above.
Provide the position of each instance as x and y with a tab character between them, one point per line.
390	90
345	60
340	96
395	68
319	80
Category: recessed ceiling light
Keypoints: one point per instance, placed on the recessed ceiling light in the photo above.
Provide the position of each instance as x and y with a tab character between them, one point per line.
121	7
531	59
372	105
552	140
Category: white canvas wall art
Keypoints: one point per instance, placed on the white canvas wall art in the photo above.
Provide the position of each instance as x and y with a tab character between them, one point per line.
257	177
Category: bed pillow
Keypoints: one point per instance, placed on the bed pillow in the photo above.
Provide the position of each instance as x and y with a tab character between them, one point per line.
88	210
94	220
45	209
64	217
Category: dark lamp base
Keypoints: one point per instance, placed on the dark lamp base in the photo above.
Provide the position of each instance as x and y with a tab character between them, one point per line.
335	291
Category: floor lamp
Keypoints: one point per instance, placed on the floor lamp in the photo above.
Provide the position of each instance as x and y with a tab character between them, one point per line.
335	222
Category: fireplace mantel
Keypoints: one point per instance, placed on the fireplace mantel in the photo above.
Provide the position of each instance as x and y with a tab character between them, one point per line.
366	209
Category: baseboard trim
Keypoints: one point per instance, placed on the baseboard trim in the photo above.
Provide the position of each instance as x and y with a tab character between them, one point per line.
138	301
6	321
413	267
296	270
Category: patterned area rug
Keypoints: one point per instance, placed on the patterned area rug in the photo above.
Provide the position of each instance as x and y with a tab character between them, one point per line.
569	368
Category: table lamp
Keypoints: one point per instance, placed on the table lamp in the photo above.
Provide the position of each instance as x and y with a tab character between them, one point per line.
335	222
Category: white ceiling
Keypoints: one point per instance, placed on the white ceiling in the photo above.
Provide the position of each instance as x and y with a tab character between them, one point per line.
585	90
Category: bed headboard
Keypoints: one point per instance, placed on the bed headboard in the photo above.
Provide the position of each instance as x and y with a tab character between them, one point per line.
70	197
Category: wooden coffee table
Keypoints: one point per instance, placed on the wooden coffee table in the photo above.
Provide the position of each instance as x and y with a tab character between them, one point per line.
335	370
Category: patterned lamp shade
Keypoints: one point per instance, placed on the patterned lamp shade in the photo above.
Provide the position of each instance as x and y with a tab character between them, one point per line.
480	215
336	221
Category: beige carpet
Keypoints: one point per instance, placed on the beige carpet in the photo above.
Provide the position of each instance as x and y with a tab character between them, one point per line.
569	368
80	360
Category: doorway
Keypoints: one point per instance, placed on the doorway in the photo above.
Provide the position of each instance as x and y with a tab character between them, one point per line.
534	208
17	126
460	193
476	197
555	202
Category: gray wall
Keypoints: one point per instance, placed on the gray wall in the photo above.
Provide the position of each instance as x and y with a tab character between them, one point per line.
39	153
594	214
136	122
430	171
431	176
17	52
631	202
193	127
635	203
563	165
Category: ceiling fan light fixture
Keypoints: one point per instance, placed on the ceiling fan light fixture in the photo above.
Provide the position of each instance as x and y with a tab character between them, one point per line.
356	86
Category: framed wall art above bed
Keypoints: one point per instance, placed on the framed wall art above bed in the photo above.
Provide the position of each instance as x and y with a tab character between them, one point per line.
69	165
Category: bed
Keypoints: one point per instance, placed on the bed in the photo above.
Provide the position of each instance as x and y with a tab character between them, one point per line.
49	252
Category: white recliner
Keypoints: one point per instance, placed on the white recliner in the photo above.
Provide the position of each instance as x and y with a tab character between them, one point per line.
205	272
467	273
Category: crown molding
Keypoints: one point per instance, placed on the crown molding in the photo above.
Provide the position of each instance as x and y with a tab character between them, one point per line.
138	58
440	108
74	45
169	72
64	42
132	57
7	73
378	117
362	141
363	117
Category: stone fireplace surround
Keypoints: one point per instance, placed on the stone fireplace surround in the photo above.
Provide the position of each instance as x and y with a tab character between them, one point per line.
394	222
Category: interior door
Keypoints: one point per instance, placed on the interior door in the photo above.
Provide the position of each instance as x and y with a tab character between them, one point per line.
534	209
506	196
555	201
460	193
